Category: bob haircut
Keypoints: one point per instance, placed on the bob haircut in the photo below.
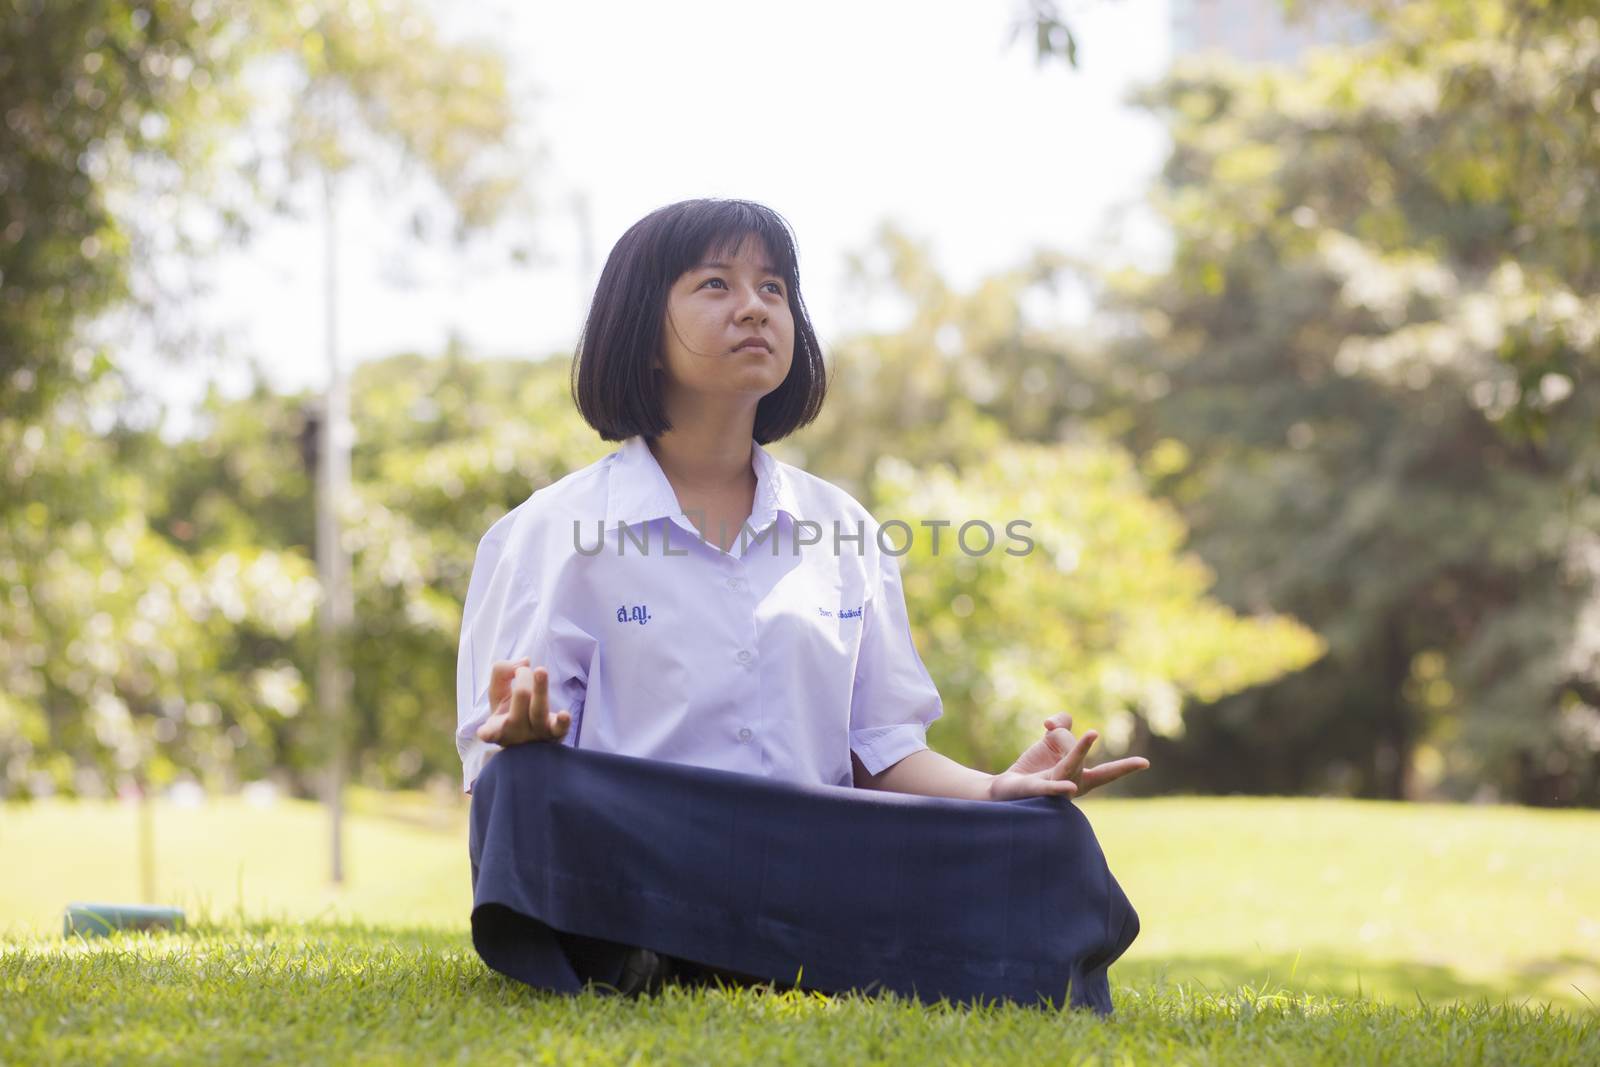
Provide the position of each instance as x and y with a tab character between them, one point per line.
616	389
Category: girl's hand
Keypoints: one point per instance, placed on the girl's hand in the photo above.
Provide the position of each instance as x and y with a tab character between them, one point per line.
1053	766
520	697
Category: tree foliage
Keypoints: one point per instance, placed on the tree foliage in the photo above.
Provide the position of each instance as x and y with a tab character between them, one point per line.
1377	344
125	645
1314	507
1099	613
970	413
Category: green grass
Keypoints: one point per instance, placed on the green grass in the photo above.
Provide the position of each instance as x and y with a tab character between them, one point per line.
406	862
1292	931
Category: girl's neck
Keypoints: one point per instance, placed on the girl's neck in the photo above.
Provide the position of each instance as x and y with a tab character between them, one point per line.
705	454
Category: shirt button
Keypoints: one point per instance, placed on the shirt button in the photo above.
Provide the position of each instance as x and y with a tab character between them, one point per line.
744	655
745	734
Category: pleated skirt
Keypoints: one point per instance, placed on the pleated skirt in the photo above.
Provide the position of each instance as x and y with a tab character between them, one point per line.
837	889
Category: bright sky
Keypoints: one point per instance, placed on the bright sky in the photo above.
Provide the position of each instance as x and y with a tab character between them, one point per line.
838	114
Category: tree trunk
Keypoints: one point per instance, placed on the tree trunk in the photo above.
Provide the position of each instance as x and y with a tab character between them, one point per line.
1392	755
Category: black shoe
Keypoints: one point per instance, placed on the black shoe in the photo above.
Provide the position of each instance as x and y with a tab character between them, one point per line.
705	976
643	971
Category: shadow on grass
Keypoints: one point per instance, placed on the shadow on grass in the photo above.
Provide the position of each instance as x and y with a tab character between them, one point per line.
1569	982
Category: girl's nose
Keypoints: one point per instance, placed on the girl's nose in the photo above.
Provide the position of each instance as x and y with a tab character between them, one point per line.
753	308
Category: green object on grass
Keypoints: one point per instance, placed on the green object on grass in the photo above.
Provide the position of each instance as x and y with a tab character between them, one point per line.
99	920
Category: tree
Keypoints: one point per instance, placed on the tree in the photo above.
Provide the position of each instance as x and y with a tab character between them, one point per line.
970	414
1091	607
92	90
1376	344
445	446
108	103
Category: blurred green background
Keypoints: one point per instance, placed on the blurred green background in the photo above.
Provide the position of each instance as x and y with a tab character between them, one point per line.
1315	503
1315	506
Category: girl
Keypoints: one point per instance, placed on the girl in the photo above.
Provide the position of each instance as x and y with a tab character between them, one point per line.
691	600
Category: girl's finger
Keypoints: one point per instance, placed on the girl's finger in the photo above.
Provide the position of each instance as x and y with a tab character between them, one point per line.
1110	772
521	693
490	729
1080	752
539	716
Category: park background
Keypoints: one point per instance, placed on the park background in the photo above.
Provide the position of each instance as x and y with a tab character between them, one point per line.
1277	321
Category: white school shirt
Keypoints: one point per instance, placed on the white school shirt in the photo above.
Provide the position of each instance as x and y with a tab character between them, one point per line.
776	658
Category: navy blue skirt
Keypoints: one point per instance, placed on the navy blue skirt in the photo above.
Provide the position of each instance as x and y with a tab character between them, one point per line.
840	889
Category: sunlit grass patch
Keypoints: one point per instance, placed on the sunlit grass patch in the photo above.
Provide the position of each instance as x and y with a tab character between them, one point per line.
1273	931
316	993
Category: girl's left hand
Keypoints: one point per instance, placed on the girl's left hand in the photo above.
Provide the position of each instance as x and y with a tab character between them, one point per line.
1053	766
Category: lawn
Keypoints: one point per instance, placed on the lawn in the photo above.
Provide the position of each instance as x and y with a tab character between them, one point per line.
1273	931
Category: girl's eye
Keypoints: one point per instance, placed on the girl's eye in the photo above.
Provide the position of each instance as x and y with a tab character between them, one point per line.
777	287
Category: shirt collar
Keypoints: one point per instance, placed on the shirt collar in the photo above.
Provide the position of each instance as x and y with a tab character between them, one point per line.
638	490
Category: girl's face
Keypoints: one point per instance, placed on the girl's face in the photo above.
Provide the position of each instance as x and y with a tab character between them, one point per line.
712	309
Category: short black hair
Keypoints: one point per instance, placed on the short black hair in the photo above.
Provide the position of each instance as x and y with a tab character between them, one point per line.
613	384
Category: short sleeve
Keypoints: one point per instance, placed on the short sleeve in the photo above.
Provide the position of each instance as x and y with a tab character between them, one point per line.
893	699
512	611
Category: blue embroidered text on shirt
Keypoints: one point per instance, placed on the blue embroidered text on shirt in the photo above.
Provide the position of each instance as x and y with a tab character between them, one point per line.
844	613
640	614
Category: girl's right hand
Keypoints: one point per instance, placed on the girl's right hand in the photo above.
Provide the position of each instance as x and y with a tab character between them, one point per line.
520	698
